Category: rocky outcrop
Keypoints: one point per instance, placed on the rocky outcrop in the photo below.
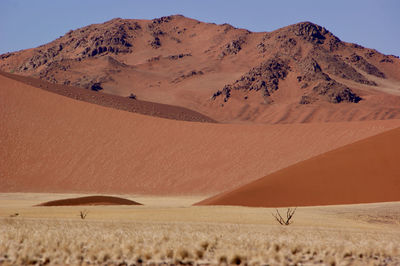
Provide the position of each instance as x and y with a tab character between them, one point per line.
330	91
335	92
41	57
156	43
158	21
233	47
187	75
311	71
178	56
96	87
365	66
116	40
6	55
154	27
291	40
336	66
316	34
310	32
387	60
86	42
327	88
264	78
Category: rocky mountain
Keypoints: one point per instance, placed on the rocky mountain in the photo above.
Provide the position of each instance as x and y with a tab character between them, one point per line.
300	73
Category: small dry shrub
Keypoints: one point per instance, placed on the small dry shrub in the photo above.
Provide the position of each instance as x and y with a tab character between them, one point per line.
83	214
199	254
183	254
223	259
204	245
170	253
236	259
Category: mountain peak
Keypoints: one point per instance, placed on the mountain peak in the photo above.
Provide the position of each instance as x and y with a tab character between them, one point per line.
181	61
311	32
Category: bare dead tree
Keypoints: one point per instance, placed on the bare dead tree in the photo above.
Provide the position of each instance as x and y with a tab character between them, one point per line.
83	214
289	215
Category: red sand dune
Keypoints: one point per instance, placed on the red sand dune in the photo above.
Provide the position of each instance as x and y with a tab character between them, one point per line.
115	101
51	143
362	172
90	200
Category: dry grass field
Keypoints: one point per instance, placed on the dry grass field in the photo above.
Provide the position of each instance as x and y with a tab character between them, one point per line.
169	231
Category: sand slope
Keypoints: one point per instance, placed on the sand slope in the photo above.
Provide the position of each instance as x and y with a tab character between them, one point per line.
362	172
51	143
114	101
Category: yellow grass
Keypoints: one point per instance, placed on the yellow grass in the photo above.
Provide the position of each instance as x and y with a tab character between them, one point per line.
168	230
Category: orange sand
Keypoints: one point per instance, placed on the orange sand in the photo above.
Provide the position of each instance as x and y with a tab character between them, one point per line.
363	172
51	143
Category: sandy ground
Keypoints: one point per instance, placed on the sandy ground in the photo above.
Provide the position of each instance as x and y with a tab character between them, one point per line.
168	229
180	209
56	144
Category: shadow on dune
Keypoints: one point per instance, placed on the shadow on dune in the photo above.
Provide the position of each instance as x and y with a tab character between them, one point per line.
90	200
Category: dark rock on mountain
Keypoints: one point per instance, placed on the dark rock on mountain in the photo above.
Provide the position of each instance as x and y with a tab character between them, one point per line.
365	66
310	32
336	66
264	78
336	92
96	87
233	47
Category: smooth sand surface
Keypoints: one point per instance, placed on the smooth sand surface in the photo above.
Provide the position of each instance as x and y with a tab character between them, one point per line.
114	101
51	143
362	172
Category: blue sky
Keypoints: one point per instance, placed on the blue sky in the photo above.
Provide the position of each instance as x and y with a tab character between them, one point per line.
371	23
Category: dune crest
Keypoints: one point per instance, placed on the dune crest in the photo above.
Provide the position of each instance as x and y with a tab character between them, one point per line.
363	172
130	104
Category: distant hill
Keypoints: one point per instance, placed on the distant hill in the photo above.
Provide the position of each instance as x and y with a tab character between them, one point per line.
299	73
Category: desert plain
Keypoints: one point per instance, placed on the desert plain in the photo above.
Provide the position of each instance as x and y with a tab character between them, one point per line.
186	138
168	230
